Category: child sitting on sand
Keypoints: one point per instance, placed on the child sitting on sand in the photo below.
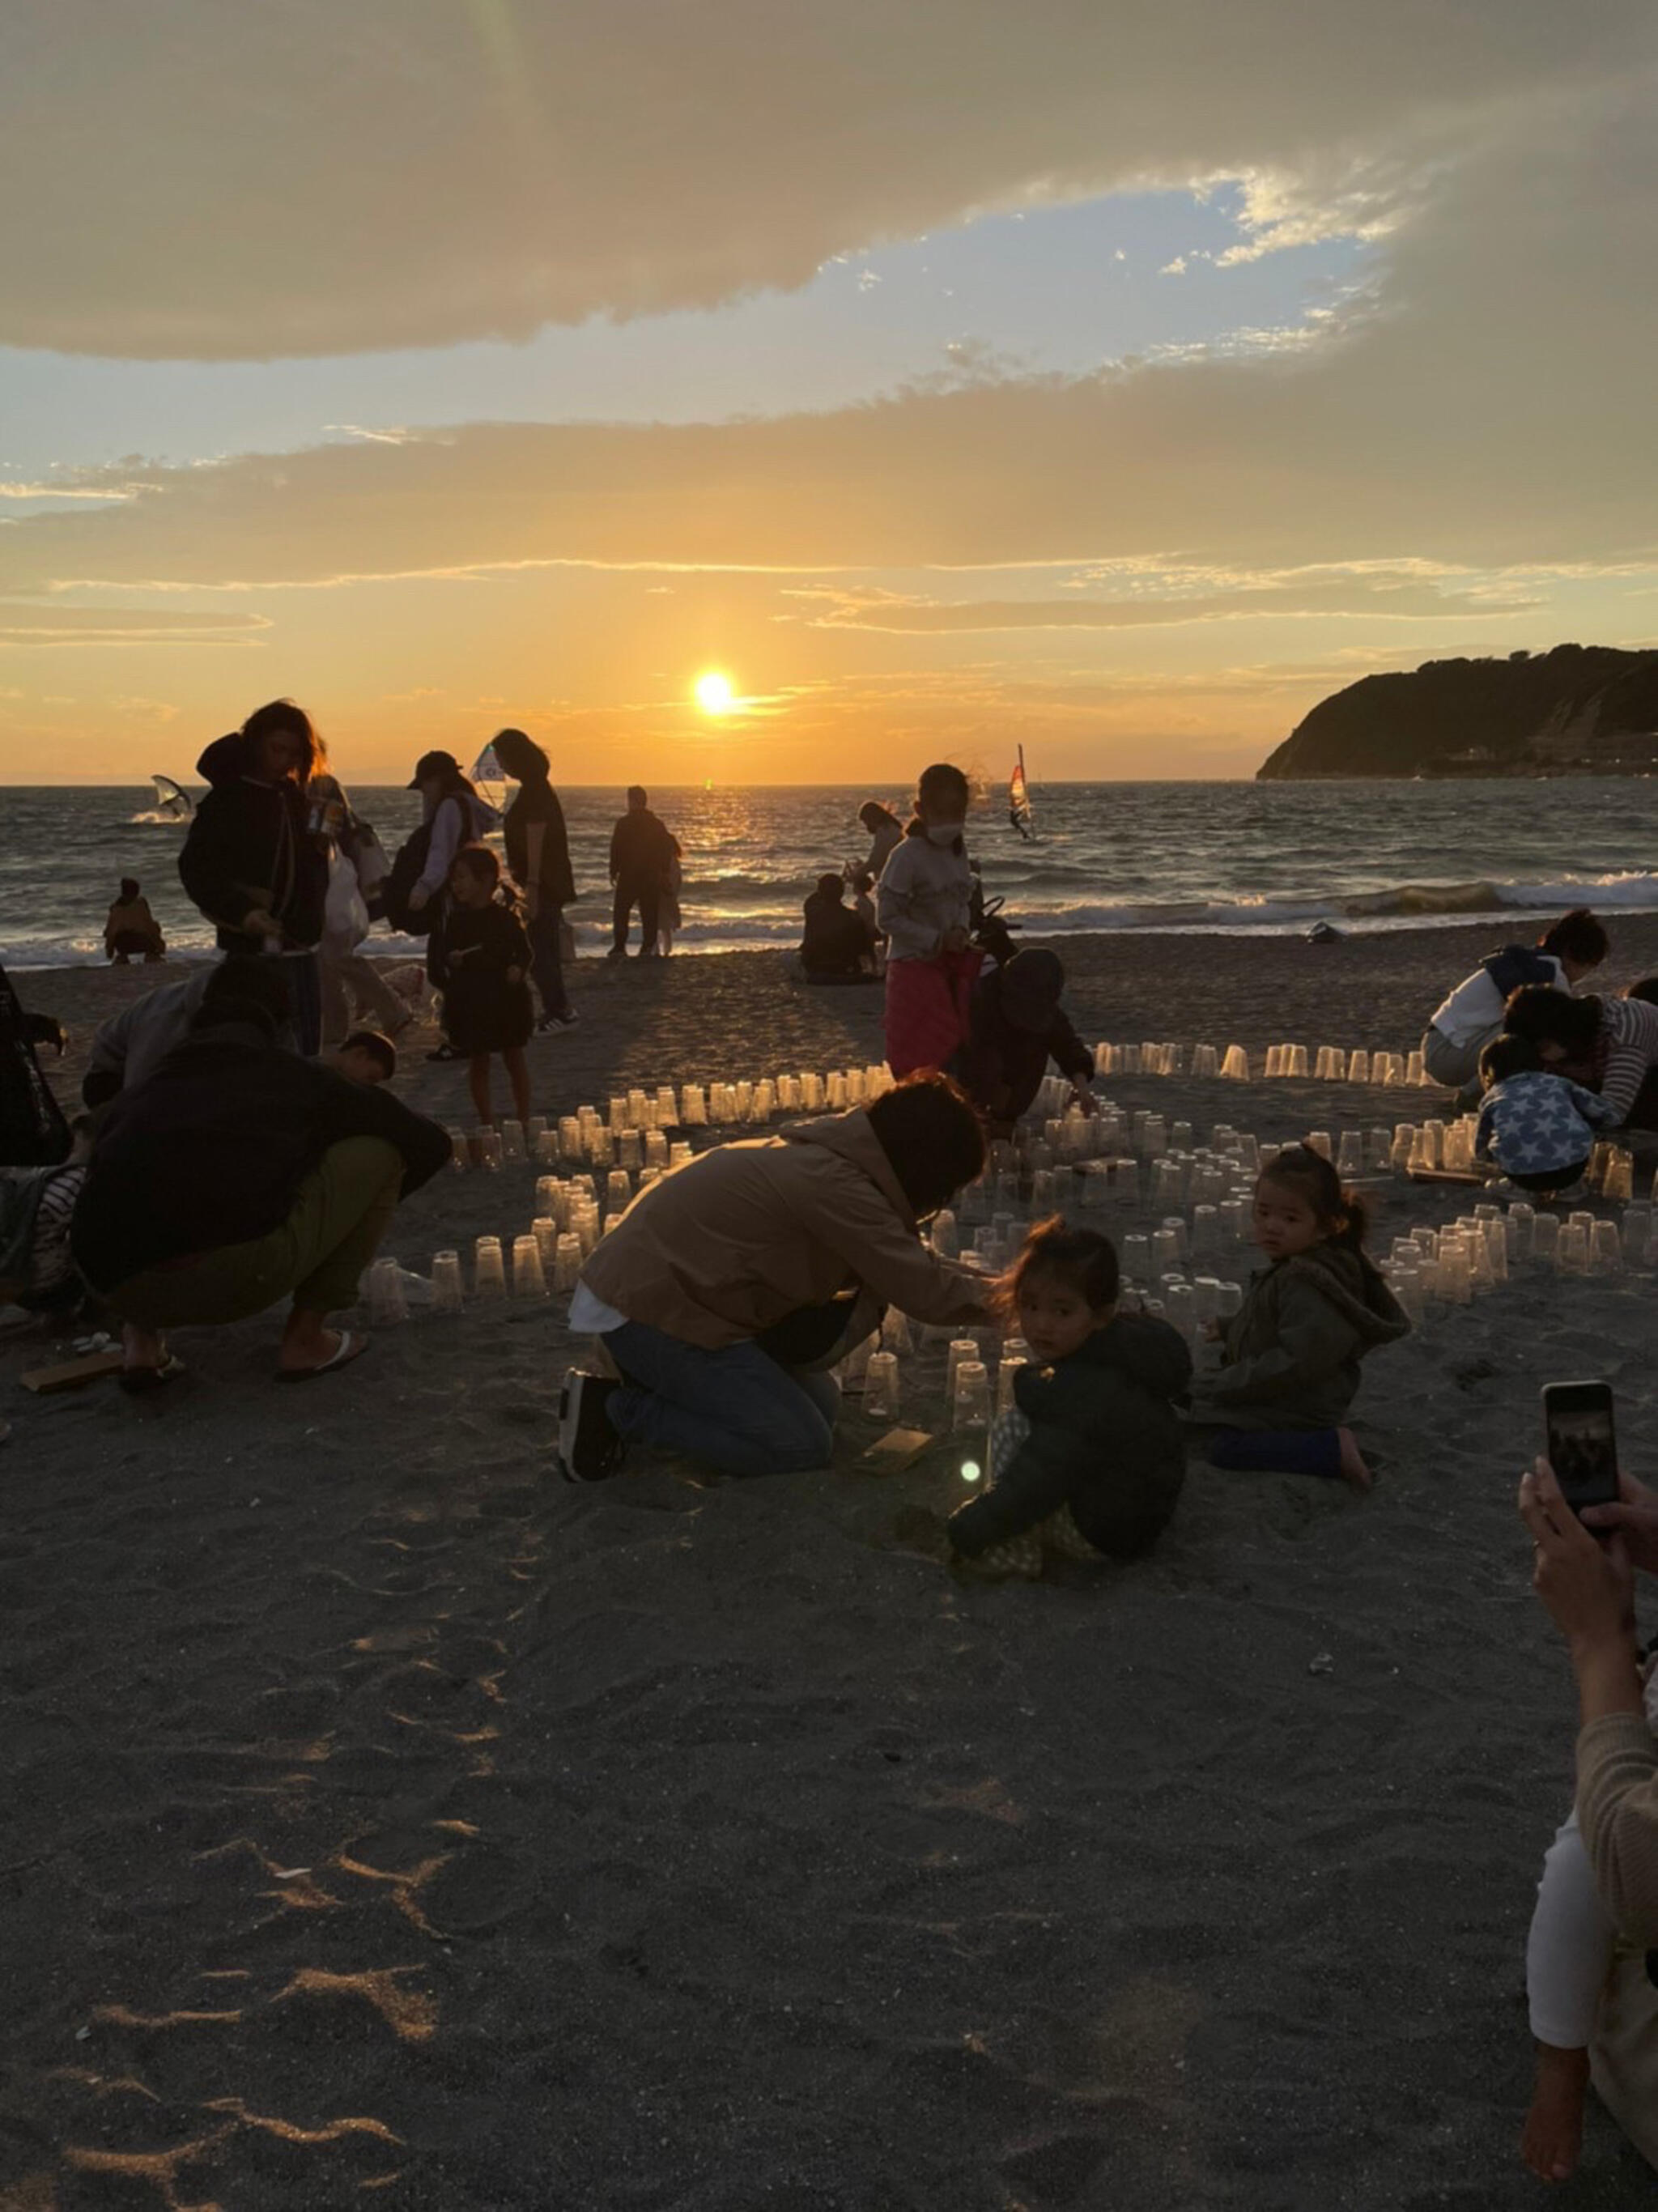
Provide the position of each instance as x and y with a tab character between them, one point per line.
479	958
1292	1351
1090	1459
1537	1127
1569	1953
924	908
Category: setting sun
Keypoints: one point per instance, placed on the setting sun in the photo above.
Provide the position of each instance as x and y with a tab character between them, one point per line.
713	692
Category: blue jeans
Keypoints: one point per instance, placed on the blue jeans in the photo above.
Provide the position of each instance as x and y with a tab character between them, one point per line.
737	1408
1286	1452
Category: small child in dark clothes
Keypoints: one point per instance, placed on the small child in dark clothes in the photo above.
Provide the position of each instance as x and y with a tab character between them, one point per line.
479	958
1015	1025
1090	1460
1538	1127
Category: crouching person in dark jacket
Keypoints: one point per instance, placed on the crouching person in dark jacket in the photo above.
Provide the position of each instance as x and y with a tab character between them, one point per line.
237	1175
1090	1460
1015	1025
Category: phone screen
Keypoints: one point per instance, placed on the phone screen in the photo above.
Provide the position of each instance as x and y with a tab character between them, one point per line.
1583	1446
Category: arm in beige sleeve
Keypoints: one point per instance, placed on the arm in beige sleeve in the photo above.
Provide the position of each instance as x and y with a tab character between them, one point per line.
1618	1812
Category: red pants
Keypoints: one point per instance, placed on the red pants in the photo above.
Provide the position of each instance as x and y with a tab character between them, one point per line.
927	1008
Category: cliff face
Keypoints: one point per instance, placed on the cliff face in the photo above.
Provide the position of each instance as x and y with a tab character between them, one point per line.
1580	710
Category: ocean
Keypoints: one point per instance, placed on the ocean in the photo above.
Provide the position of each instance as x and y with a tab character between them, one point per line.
1200	857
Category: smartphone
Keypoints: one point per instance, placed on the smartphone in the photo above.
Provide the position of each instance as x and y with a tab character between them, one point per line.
1583	1449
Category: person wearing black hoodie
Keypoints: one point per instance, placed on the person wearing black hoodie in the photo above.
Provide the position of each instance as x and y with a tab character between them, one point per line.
237	1175
249	863
1015	1025
1090	1460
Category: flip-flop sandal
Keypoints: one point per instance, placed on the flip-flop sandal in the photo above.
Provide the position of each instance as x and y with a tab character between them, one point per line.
350	1346
444	1052
139	1382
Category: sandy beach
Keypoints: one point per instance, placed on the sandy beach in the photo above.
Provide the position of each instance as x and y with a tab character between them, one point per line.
391	1823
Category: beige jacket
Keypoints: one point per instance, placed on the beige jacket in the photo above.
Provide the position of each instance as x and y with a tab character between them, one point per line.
1618	1812
718	1250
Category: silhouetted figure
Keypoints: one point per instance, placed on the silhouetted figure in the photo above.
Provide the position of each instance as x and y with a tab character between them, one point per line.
642	854
131	928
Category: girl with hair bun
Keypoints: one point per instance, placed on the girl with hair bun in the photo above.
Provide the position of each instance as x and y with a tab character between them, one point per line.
1292	1353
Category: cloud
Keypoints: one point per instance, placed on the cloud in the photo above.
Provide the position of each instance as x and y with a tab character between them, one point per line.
234	182
1367	598
21	623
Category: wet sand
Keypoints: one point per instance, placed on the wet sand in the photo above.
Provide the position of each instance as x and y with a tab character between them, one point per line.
389	1823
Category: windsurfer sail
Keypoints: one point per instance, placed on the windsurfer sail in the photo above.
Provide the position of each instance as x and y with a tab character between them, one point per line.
1018	799
172	802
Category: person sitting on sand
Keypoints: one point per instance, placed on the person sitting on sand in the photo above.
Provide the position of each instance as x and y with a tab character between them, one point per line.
1591	1961
1608	1045
1090	1459
1292	1352
1536	1127
131	928
237	1175
1015	1025
835	947
1473	1015
733	1283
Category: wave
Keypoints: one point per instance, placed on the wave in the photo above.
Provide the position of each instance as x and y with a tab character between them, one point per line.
151	820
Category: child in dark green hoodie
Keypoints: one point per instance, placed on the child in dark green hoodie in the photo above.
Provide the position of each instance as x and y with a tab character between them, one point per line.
1090	1459
1292	1353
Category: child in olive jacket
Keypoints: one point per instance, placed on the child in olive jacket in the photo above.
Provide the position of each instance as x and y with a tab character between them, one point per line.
1090	1460
1292	1353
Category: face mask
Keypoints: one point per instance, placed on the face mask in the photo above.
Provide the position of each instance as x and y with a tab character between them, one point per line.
942	832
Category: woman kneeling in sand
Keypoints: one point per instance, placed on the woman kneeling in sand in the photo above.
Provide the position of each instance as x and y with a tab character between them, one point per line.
238	1174
733	1284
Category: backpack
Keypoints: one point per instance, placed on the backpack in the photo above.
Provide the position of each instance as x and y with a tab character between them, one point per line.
406	872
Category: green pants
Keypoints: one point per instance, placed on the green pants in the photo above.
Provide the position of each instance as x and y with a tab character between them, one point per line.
340	1212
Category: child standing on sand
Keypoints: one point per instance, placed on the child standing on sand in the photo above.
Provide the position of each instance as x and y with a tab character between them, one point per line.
924	904
1090	1459
479	958
1568	1954
1292	1352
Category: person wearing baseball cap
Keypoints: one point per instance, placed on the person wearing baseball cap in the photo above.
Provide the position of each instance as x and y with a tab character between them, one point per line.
1015	1025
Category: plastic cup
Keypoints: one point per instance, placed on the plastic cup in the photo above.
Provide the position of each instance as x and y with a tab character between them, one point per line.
961	1348
881	1385
567	1260
544	1229
491	1152
1234	1068
1206	1060
969	1402
1358	1067
1136	1259
447	1296
630	1149
528	1280
460	1150
946	1241
897	1334
1573	1255
1350	1153
1297	1061
488	1269
1545	1237
384	1295
1619	1179
1006	1380
512	1140
1636	1232
1606	1248
618	1191
1231	1301
1181	1301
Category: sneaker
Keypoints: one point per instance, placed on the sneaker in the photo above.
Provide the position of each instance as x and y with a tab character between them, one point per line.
589	1449
565	1018
616	952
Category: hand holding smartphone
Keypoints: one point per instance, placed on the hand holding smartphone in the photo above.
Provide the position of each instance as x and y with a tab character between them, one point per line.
1583	1446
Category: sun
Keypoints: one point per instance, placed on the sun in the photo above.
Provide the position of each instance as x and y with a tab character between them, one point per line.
714	694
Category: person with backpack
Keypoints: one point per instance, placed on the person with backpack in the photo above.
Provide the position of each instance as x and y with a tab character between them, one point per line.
1473	1015
410	899
252	864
